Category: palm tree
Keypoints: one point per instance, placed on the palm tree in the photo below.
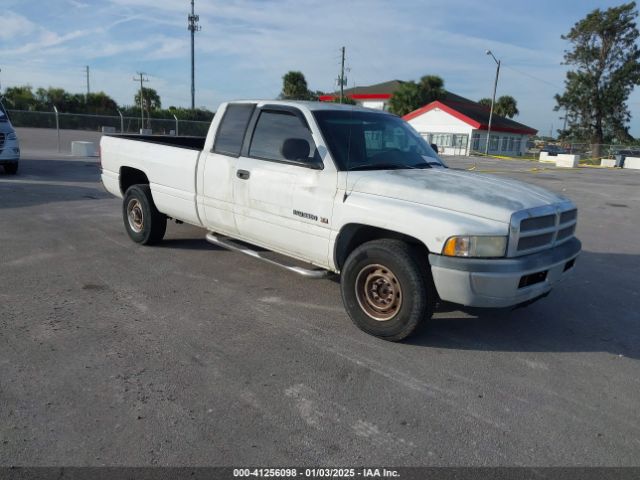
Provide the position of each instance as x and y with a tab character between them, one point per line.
505	106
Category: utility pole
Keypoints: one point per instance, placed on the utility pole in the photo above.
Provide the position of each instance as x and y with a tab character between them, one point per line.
88	87
342	77
493	101
564	126
141	78
193	28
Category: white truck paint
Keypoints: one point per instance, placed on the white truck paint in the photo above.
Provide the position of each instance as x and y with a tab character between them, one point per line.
308	211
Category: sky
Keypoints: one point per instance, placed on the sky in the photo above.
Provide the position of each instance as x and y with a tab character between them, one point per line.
246	46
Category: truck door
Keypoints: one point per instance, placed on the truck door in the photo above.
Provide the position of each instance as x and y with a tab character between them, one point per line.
284	193
221	164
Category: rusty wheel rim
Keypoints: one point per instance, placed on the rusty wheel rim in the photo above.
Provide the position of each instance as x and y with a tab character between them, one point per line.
378	292
135	215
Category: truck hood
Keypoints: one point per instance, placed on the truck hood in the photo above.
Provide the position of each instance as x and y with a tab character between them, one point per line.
487	196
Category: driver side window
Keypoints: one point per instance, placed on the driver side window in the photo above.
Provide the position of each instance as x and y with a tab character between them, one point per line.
274	135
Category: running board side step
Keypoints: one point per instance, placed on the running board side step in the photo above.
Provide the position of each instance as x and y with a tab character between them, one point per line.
230	245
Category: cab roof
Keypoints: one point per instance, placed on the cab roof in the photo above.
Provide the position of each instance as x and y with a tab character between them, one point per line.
313	106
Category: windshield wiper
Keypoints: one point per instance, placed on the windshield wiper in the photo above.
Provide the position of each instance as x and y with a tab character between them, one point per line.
385	166
428	164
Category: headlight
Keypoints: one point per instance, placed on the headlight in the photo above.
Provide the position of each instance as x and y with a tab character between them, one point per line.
12	136
467	246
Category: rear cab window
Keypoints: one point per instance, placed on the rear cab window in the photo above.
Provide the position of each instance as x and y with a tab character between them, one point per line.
232	129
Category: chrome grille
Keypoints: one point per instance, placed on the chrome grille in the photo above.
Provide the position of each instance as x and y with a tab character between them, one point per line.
537	223
566	217
527	243
541	228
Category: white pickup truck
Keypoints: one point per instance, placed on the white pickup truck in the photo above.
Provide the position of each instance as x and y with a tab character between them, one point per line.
351	191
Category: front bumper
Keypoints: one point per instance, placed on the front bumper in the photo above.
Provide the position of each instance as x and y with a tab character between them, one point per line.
503	282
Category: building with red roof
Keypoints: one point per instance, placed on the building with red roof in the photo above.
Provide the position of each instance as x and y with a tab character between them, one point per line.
459	126
456	124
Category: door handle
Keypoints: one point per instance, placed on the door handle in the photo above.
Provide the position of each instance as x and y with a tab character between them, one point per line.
243	174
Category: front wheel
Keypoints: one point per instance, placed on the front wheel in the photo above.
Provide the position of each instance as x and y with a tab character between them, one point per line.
386	290
142	220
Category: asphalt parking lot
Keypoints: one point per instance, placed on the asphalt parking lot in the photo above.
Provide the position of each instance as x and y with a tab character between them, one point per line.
186	354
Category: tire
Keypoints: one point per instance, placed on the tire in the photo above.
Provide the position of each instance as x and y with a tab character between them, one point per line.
142	220
11	168
387	289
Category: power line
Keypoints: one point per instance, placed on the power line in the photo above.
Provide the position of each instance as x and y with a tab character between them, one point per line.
193	28
533	77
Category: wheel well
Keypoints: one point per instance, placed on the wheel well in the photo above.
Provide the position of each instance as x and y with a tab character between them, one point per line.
353	235
131	176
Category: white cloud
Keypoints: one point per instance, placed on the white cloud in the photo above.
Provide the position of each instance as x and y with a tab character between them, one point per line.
13	25
245	46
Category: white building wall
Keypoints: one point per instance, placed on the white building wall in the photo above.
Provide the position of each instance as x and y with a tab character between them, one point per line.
437	121
438	126
376	104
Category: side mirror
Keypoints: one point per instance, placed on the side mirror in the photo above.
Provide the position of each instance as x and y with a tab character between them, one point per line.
435	147
296	149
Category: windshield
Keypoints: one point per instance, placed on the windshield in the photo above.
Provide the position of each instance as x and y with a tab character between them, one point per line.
374	141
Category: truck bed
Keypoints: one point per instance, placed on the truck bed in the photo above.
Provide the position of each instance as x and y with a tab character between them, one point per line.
193	143
168	162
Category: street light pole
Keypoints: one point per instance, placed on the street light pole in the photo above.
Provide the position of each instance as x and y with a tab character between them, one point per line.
493	101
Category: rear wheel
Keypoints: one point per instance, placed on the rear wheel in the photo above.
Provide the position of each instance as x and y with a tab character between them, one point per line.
386	288
11	168
142	220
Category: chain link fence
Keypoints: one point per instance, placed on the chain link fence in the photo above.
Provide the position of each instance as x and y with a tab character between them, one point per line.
96	123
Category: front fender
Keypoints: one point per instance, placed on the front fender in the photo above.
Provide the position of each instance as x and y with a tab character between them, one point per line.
432	226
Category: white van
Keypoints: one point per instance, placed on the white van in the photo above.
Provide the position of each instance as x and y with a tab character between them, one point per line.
9	145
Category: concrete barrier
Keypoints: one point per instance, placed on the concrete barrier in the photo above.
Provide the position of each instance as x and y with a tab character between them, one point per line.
546	158
609	162
565	160
632	163
83	149
108	129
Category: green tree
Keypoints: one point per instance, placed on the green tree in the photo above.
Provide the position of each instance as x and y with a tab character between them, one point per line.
605	60
413	95
99	103
505	106
345	100
64	101
294	87
485	102
151	98
20	98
